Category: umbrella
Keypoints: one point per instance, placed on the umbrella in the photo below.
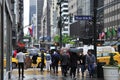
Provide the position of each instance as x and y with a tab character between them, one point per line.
33	52
75	50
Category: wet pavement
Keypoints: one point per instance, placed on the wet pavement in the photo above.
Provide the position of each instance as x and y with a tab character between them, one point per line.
35	74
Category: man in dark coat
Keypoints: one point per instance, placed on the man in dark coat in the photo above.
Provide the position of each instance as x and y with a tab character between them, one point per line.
82	60
42	60
73	64
64	58
55	61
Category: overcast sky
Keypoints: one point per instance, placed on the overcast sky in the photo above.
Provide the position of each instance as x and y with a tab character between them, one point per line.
26	15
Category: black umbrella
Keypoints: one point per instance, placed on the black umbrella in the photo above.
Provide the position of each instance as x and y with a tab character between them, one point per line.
75	50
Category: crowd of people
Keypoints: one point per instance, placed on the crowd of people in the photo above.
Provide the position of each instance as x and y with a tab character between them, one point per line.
70	62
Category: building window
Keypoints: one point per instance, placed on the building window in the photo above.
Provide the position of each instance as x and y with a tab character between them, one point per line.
65	10
66	6
65	29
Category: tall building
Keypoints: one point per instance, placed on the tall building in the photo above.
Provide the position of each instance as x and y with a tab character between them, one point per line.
80	29
39	12
53	17
112	19
20	24
34	27
45	20
32	9
80	7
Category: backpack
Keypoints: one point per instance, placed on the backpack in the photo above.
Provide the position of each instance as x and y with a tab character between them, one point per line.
48	57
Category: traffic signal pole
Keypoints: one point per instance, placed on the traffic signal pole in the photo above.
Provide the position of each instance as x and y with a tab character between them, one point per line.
60	23
60	26
95	29
94	24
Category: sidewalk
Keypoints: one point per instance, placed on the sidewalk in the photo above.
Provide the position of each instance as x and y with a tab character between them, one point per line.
31	74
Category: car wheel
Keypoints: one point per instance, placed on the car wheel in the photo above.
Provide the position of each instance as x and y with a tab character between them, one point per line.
39	65
14	65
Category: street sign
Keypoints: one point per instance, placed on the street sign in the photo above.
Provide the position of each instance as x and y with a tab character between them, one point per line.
83	17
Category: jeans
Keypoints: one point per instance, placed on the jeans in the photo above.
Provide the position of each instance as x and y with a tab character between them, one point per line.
91	69
83	68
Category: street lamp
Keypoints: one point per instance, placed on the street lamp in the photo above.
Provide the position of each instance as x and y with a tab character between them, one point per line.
60	22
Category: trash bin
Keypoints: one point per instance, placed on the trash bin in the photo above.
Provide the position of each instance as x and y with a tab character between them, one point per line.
100	69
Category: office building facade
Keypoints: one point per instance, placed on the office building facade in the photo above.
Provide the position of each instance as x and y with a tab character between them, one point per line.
112	19
39	13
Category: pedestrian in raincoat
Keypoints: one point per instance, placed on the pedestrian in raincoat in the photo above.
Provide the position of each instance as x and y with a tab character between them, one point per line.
42	60
64	60
73	64
55	61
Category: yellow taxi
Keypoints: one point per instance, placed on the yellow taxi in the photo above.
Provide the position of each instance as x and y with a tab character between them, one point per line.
14	62
105	57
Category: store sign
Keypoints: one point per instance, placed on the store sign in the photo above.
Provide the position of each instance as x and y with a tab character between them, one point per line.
26	40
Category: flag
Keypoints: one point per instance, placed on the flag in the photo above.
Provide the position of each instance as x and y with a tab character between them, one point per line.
108	34
101	35
113	32
30	31
32	28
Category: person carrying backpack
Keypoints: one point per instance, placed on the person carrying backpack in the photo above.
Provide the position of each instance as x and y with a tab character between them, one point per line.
48	61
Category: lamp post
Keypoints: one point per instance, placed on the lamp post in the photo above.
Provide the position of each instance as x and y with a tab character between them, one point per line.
60	23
